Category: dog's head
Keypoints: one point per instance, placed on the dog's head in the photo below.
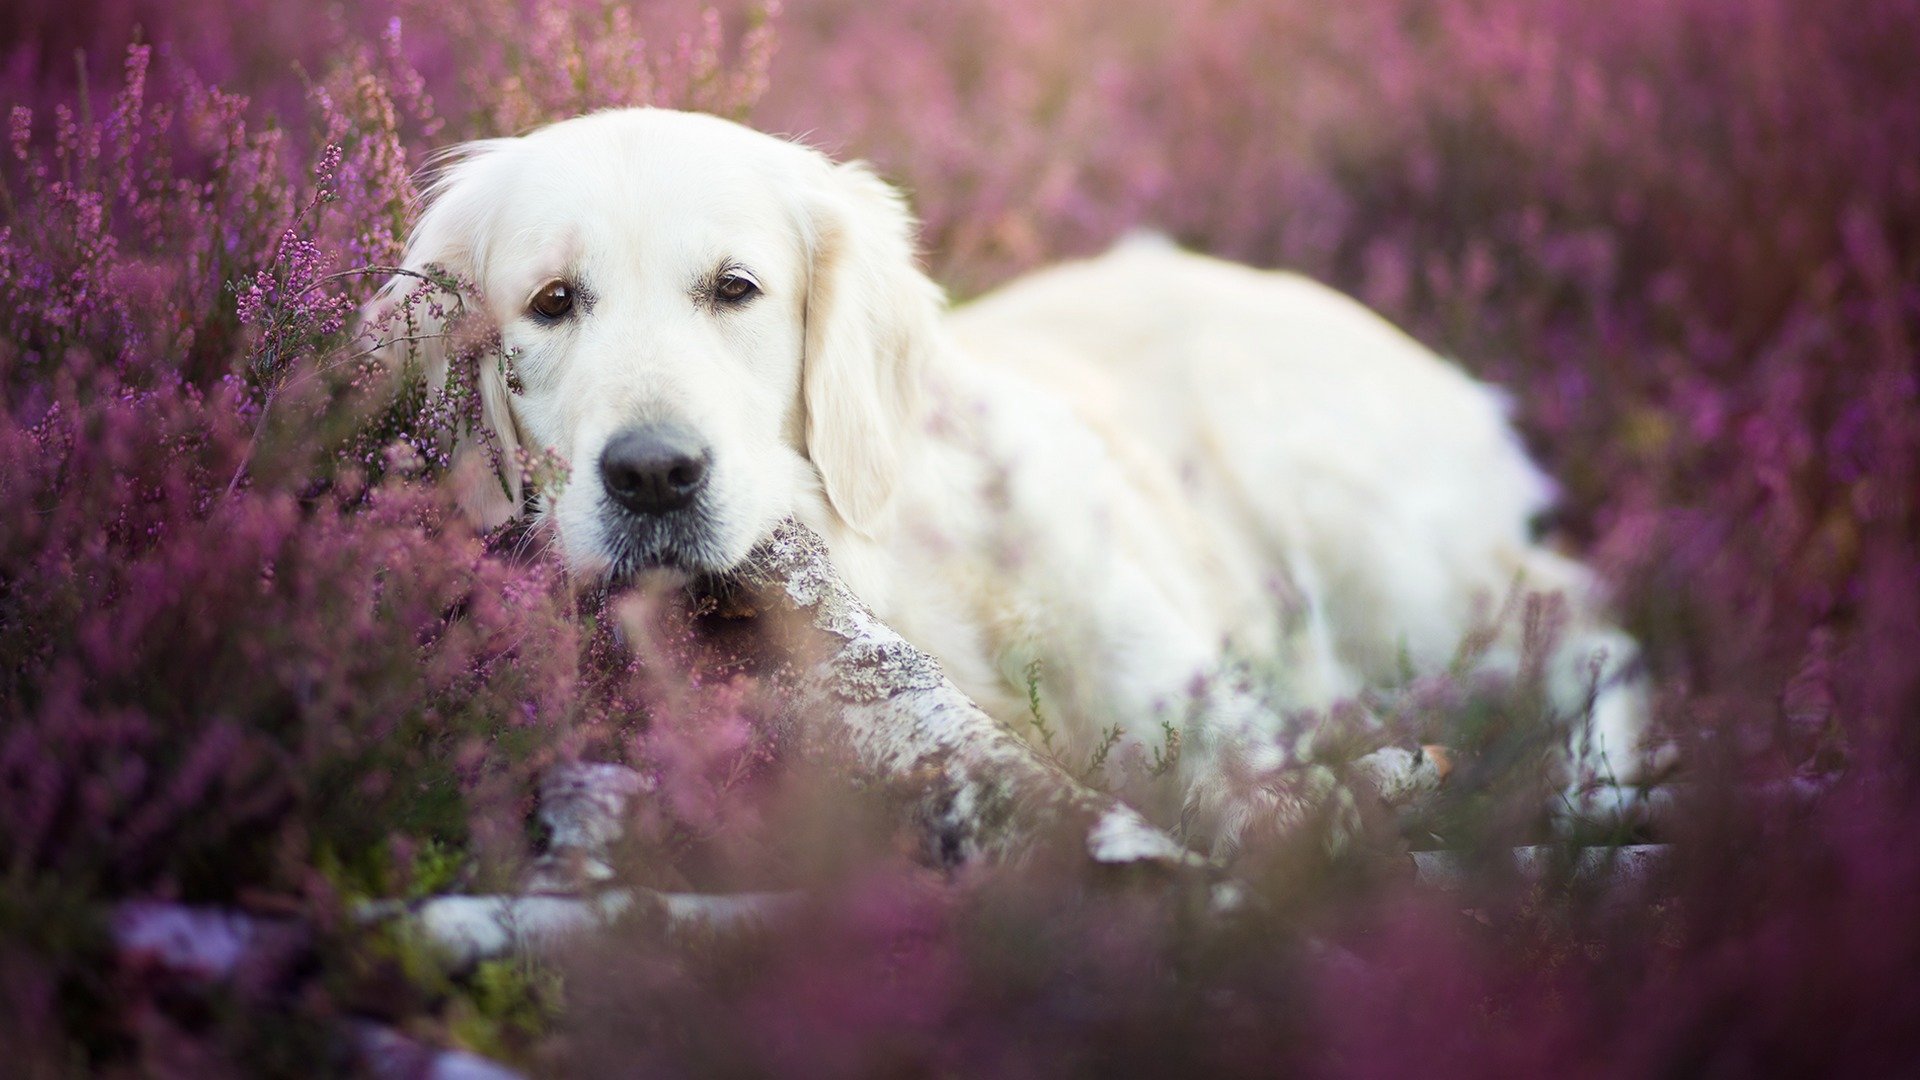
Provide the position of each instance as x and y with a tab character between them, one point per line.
714	327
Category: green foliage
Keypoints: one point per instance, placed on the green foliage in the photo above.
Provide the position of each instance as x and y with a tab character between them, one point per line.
505	1007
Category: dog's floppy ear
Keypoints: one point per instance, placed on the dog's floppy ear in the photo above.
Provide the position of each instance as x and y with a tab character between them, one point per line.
409	321
870	324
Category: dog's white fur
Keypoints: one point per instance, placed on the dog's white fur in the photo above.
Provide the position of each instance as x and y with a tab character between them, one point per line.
1146	472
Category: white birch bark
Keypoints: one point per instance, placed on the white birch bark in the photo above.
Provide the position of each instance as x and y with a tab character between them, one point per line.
468	929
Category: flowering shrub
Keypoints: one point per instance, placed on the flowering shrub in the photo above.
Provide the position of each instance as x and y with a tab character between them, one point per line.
249	655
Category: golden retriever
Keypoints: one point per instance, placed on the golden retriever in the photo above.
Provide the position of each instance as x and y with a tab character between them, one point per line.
1130	487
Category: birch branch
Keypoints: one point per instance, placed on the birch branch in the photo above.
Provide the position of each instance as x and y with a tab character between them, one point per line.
982	792
469	929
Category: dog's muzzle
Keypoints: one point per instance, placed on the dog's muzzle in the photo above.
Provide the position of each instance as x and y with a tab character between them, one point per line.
654	476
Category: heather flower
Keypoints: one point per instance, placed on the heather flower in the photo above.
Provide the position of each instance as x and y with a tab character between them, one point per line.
249	655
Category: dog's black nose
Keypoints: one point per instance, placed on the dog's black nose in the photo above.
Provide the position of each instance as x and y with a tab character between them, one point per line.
654	469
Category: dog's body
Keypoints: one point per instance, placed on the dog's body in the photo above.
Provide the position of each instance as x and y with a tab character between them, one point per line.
1121	485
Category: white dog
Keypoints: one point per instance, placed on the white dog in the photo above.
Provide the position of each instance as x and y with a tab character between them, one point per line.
1143	476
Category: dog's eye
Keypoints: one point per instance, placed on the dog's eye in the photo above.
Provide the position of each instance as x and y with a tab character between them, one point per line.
553	301
735	286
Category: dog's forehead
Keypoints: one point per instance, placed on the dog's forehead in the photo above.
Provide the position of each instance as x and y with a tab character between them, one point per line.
649	188
651	169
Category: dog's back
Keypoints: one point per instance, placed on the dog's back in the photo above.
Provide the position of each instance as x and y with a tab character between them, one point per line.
1321	441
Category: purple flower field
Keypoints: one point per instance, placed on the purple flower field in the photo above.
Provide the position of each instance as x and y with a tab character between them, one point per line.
251	655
